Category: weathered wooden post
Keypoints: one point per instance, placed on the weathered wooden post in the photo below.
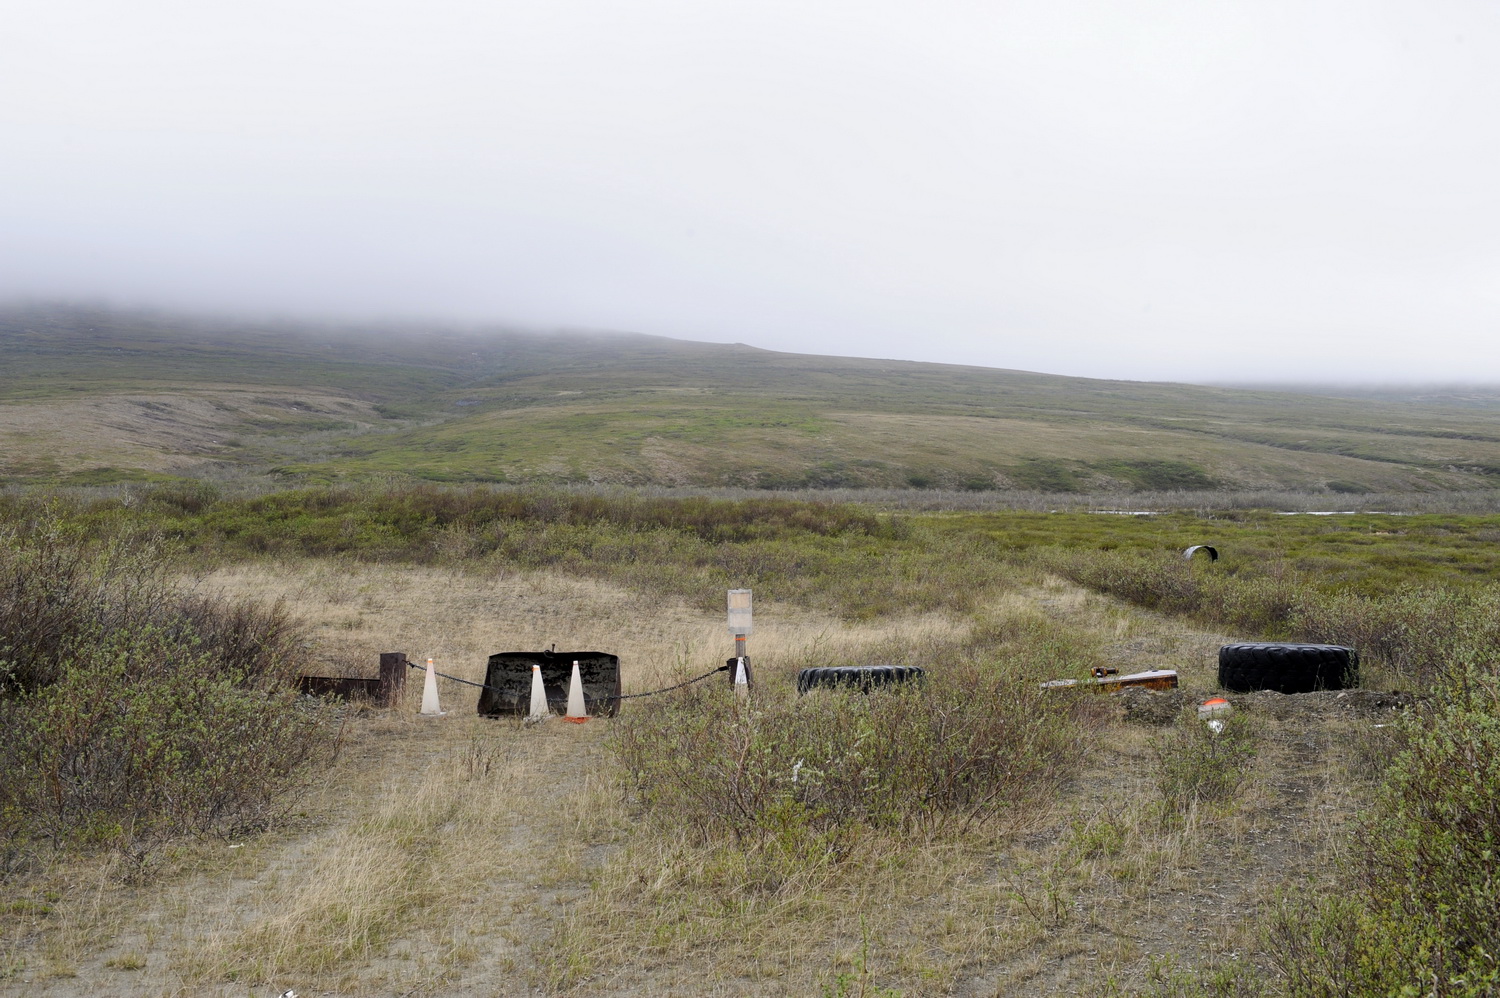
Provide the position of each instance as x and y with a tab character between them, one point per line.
739	626
393	669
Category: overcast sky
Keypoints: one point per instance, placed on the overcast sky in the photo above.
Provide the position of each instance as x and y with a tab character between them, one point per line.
1194	190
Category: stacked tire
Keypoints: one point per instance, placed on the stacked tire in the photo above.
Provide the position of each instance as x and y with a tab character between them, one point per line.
1287	668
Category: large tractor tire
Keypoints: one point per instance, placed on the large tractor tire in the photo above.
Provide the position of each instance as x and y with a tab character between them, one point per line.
1287	668
859	677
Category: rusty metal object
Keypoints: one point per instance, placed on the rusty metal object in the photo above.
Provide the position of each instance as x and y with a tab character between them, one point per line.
383	692
1157	679
507	681
339	686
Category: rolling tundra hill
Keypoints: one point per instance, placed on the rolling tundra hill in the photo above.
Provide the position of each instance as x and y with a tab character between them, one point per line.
94	395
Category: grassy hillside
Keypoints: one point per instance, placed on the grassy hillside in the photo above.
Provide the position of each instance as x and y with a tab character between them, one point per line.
94	395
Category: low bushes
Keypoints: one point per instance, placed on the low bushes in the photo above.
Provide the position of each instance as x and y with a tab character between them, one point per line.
134	712
59	594
1198	766
1422	913
691	548
960	748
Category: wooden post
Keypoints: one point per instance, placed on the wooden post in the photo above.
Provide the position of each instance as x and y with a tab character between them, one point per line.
393	670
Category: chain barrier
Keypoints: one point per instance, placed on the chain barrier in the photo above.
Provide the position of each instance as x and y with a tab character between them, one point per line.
623	696
665	689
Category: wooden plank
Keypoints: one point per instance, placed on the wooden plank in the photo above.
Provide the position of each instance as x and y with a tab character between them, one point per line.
1157	679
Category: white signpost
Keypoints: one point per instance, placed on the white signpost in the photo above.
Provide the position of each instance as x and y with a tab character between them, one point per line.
739	612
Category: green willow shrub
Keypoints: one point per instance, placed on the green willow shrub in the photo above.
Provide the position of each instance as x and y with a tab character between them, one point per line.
926	758
692	548
1432	849
58	593
133	711
1423	915
115	754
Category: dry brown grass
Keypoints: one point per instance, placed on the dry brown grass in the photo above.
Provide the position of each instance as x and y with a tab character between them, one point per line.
356	611
433	875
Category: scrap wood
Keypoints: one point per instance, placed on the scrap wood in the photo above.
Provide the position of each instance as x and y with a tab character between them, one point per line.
1156	679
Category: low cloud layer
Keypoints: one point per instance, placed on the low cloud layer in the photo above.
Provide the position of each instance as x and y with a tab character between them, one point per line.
1176	191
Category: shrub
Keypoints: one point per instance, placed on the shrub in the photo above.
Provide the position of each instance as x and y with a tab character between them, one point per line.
692	548
931	758
57	594
133	711
1423	910
118	755
1196	766
183	497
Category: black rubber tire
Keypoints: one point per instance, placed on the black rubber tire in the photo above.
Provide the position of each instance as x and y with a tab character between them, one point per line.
860	677
1287	668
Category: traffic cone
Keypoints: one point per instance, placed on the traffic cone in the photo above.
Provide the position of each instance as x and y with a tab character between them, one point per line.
539	711
576	712
429	693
